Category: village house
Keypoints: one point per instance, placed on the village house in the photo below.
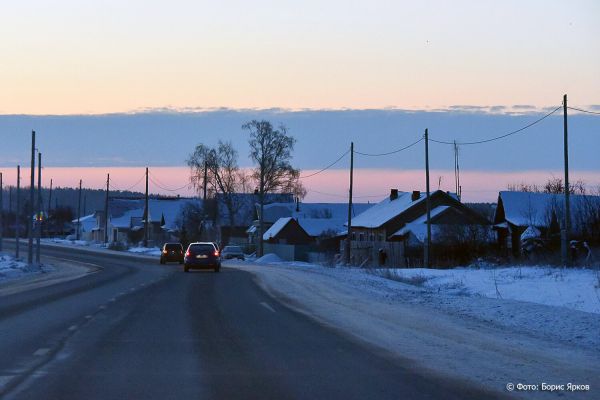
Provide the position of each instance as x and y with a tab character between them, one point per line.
322	225
126	220
398	223
523	216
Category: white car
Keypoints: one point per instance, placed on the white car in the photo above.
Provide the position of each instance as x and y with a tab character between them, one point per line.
230	252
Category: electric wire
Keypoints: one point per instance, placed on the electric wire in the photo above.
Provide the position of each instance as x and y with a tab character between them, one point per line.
501	136
390	152
583	111
326	168
168	189
345	196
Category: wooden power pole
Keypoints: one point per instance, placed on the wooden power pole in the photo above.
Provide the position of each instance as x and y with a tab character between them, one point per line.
39	218
349	235
106	210
427	259
567	224
79	212
17	224
146	213
30	208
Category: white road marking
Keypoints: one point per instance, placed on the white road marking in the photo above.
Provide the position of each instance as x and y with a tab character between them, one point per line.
267	306
41	352
102	308
112	300
88	317
73	328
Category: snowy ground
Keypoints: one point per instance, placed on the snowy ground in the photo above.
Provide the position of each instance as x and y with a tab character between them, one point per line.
453	321
573	288
14	269
149	251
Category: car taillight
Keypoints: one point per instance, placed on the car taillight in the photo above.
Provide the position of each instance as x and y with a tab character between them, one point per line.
217	253
165	252
187	254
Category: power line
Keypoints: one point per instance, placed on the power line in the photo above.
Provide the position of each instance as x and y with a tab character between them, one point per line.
583	111
169	189
501	136
327	167
130	187
345	196
390	152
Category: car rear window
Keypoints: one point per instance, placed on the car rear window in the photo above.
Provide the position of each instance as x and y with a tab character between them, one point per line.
173	246
201	248
234	249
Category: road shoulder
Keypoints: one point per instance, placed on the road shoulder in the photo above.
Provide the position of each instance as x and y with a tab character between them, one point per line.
54	270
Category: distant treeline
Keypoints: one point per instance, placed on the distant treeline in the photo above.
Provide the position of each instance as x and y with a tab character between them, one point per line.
91	199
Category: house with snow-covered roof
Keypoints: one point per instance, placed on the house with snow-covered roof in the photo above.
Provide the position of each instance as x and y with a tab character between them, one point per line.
400	220
318	219
522	216
126	219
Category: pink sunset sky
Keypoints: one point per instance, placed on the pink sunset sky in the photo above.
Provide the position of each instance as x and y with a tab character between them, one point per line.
370	185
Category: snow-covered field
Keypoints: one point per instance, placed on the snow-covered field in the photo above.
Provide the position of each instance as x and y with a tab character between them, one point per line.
541	325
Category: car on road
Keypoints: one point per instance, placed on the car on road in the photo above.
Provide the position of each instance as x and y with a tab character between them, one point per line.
230	252
202	255
171	252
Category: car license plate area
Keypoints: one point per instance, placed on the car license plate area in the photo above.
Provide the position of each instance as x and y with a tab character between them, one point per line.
201	256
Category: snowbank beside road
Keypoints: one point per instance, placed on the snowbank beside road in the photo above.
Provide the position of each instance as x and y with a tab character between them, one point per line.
14	269
489	341
574	288
149	251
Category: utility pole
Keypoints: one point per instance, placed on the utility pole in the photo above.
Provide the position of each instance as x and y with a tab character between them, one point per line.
205	181
1	212
50	197
567	228
427	260
106	211
349	237
84	204
457	171
146	213
39	218
79	213
49	207
30	209
17	224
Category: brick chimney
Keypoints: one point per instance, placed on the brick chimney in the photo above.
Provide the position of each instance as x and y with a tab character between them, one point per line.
393	194
416	195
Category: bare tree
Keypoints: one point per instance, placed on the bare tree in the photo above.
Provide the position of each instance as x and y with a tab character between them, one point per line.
271	151
223	175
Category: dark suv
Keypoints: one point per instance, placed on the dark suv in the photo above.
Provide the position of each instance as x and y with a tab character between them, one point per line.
171	252
203	255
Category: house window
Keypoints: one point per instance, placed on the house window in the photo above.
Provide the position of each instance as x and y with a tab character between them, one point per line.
361	237
353	236
371	237
381	237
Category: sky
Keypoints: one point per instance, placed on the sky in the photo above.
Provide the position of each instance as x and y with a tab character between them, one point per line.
70	56
113	85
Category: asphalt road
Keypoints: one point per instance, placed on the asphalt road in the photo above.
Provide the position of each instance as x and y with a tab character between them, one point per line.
139	330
